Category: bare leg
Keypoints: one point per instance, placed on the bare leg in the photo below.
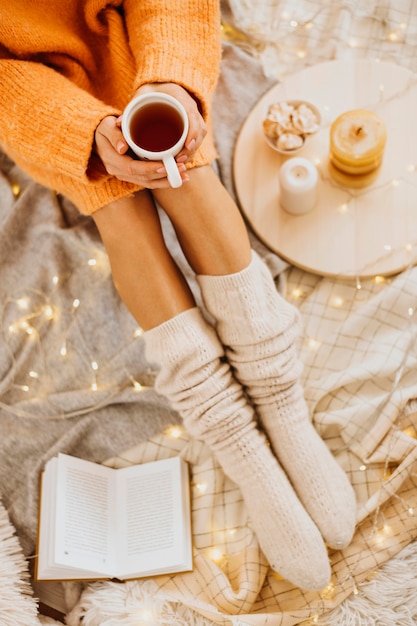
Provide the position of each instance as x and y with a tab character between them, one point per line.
149	282
208	224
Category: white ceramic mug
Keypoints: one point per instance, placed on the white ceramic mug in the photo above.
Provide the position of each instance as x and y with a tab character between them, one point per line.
155	126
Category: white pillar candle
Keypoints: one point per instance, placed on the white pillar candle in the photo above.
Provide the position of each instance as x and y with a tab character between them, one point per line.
298	179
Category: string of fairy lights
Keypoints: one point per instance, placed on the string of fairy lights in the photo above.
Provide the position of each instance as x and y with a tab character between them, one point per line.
27	317
286	35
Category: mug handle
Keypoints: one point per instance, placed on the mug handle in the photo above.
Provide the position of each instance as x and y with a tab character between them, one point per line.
173	175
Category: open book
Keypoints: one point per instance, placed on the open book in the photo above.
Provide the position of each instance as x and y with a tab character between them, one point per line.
97	522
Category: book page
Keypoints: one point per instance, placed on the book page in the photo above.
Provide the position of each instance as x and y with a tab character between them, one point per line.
150	513
84	527
155	521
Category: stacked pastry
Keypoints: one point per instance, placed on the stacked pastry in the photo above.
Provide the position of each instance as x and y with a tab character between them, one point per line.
357	142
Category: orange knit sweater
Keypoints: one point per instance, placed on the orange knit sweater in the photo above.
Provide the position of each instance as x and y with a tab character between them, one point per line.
66	64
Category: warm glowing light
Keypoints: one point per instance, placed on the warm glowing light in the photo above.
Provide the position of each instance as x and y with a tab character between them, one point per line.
27	328
382	534
63	351
201	487
137	386
328	592
33	374
293	23
147	615
301	54
337	301
393	36
23	303
379	279
75	303
343	208
94	386
313	344
362	468
174	431
138	333
94	365
216	555
410	431
410	311
297	293
55	280
15	189
49	312
92	262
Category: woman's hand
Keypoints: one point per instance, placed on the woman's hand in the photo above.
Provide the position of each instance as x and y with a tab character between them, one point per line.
111	146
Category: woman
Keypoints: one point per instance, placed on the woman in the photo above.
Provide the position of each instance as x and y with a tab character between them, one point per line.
67	72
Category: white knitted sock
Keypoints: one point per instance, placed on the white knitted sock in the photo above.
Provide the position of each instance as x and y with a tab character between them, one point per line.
201	387
259	329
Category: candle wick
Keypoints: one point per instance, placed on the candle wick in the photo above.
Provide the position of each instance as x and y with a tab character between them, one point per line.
359	130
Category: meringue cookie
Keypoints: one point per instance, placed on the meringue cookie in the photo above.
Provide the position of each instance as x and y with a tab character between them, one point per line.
289	141
305	120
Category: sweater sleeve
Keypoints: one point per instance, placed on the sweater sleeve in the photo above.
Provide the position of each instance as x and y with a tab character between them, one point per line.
47	121
182	43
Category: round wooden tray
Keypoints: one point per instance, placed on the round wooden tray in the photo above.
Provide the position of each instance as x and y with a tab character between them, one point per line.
350	232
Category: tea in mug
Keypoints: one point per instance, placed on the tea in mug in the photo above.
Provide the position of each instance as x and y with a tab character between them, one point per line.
156	127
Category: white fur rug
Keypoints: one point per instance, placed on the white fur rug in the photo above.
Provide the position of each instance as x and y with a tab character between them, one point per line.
388	599
17	605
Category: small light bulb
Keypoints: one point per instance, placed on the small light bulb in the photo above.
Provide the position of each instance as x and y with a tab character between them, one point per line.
15	189
23	303
49	312
174	432
216	555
